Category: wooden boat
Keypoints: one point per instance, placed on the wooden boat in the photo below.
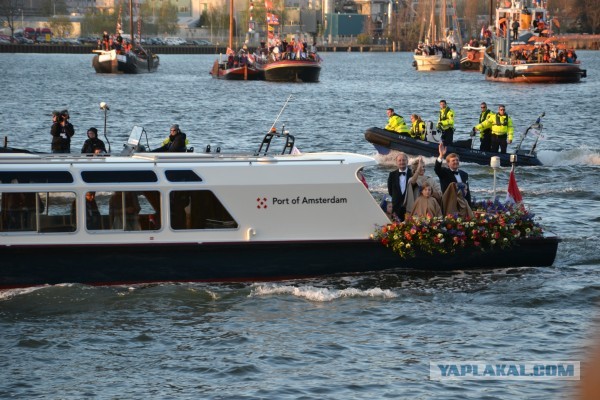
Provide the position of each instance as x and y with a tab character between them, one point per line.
246	72
132	62
183	217
471	59
304	70
135	61
384	141
222	70
522	60
435	54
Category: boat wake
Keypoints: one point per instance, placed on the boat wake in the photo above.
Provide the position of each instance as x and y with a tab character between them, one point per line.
577	156
319	294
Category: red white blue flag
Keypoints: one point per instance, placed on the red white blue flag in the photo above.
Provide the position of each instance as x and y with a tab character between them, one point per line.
513	194
272	19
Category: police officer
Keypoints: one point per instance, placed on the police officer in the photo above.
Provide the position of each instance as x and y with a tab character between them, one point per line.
417	129
396	123
485	135
446	123
502	129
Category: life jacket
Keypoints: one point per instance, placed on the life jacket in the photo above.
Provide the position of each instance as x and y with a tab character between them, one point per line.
499	121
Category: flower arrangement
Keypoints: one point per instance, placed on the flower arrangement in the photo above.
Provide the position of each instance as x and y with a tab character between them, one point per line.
495	225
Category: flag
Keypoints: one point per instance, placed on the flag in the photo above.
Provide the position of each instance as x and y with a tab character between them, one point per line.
513	194
268	4
272	19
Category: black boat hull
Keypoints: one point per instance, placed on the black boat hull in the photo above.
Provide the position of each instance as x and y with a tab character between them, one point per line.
385	140
292	71
32	265
129	63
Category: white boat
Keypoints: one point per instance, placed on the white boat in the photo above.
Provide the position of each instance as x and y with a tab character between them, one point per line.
436	54
202	217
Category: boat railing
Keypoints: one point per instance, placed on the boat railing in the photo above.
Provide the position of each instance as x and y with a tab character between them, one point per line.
266	142
537	126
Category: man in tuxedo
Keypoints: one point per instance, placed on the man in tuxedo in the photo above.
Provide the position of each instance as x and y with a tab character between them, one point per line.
398	185
450	174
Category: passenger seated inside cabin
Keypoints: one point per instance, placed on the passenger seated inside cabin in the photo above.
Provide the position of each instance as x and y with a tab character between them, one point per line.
18	211
125	208
93	219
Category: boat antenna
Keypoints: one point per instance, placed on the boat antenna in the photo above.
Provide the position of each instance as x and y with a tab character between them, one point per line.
281	112
104	106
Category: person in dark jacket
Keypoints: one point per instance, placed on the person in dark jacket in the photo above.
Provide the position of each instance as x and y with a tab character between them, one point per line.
176	142
62	131
93	145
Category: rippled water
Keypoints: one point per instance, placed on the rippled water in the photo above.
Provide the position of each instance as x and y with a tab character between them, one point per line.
347	337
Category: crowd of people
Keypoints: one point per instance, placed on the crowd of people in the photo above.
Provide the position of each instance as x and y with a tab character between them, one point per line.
413	193
496	130
543	53
62	131
281	49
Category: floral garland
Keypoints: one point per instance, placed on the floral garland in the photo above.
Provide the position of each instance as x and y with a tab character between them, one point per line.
495	225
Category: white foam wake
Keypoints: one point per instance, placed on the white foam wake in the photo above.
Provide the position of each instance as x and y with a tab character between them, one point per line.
319	294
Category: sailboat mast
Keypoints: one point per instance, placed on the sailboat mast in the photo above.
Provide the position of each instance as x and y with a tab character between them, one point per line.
131	22
231	24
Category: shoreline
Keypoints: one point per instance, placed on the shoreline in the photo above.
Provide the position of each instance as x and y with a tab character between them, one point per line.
575	41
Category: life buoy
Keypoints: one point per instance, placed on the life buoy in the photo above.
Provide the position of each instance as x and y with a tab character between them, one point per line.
489	72
496	73
467	64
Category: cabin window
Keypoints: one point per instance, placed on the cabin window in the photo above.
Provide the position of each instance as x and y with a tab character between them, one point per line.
118	176
182	176
15	177
198	209
123	211
37	212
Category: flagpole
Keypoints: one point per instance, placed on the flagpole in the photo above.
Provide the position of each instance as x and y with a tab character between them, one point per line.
495	164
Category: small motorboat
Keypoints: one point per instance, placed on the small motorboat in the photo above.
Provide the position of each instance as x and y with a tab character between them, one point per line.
385	141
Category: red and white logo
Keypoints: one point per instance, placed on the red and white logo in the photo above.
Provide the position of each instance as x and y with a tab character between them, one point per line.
261	203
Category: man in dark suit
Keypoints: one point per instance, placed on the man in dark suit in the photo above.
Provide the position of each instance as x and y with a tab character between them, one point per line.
450	174
398	185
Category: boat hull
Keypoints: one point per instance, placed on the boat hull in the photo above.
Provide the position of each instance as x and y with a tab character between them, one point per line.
385	140
292	71
108	62
245	73
434	63
472	58
532	72
24	266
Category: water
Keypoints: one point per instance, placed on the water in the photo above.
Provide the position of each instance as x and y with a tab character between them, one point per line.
346	337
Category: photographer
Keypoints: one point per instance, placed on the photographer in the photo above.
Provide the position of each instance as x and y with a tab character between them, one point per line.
61	132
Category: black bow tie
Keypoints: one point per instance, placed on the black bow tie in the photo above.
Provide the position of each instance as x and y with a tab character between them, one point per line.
402	173
455	172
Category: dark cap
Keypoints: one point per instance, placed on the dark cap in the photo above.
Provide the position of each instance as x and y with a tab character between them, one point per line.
93	130
64	113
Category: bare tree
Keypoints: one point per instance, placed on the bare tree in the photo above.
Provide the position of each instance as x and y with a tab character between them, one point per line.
9	11
592	14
